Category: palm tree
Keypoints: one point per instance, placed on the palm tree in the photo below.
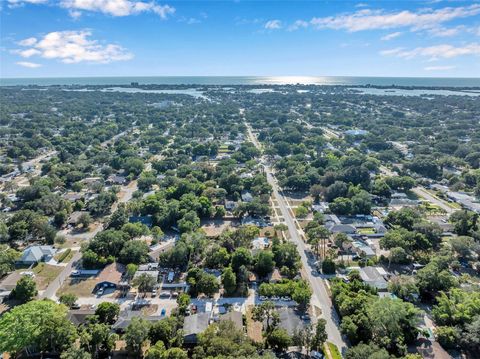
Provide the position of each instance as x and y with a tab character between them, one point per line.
323	234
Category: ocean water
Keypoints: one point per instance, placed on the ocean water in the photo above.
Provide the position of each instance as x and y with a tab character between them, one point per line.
247	80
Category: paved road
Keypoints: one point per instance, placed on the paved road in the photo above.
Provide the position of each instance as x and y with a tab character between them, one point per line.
57	282
320	296
422	192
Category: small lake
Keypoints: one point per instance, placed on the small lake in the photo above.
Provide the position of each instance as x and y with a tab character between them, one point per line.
190	92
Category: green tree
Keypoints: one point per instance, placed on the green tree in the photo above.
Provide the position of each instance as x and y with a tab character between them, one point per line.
448	337
264	263
85	220
241	257
367	351
183	301
229	281
42	324
136	335
278	339
164	330
131	270
75	353
68	299
156	351
25	289
107	312
265	313
404	287
328	266
471	336
8	257
224	340
97	338
320	336
135	252
144	282
208	285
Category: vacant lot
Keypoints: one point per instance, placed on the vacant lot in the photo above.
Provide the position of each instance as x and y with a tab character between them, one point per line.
45	274
81	287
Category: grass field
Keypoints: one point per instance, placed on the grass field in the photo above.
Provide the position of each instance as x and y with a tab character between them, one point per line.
366	231
335	353
45	274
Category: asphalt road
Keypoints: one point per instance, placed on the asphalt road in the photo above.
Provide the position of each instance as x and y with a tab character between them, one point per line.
320	295
422	192
52	288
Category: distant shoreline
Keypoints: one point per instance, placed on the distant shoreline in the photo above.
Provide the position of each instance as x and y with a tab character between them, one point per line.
381	82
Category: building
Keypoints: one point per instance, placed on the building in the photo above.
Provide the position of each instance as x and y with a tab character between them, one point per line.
116	180
125	318
363	249
159	248
75	216
342	228
260	243
247	196
79	316
111	277
194	325
35	254
375	276
146	220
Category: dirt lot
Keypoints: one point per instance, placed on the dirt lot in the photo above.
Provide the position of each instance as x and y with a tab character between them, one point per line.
215	227
254	329
81	287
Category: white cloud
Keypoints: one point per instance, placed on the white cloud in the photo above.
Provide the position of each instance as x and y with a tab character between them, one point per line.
439	68
17	3
391	36
273	25
117	7
28	42
298	25
73	47
434	52
30	65
445	32
367	19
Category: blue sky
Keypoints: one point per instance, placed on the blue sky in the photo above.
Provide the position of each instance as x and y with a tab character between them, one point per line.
67	38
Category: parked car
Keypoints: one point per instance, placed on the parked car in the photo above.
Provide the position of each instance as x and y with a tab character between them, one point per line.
163	312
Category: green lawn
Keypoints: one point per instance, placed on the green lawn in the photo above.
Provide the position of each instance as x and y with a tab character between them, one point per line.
334	351
366	231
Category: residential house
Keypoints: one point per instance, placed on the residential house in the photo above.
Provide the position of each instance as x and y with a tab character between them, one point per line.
116	180
375	276
111	277
246	196
79	316
125	318
363	249
194	325
260	243
35	254
156	250
146	220
75	216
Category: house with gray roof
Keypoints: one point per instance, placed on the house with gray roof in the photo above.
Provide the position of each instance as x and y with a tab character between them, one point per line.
375	276
35	254
194	325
